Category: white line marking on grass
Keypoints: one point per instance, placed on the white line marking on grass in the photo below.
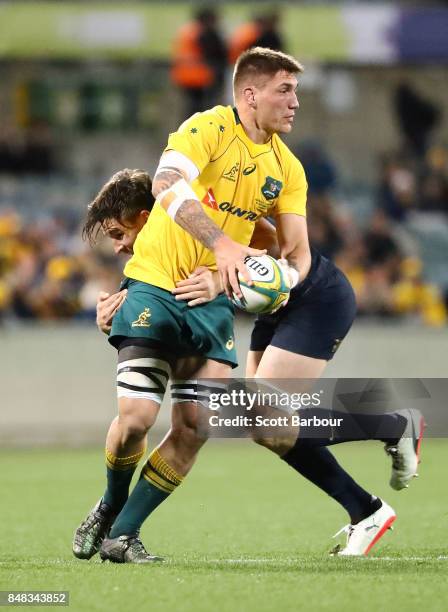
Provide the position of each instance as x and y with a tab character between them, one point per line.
244	560
299	559
440	558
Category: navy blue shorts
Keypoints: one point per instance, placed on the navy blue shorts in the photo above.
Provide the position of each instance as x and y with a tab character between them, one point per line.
316	319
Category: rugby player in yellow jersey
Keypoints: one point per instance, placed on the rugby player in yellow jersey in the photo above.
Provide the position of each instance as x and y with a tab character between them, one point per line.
233	162
152	331
282	195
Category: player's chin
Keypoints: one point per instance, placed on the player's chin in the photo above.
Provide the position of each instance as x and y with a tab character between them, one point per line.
285	127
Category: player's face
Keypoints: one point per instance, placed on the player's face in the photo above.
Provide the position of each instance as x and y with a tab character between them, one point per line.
124	233
276	103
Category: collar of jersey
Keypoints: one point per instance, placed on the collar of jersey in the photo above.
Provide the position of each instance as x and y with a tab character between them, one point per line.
254	148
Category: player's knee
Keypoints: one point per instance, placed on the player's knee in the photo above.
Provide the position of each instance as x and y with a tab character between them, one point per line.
266	442
188	434
190	418
133	428
279	446
135	419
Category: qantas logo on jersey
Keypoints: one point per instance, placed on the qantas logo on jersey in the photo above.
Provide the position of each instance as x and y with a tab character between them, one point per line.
210	201
248	215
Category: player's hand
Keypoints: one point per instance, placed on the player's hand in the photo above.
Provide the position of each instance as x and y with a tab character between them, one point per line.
200	287
106	306
230	261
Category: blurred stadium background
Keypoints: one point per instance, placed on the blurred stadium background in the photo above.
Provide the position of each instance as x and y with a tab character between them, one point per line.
86	90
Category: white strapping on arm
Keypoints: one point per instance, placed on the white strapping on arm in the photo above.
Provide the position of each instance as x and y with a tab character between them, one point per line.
174	159
291	272
294	276
172	199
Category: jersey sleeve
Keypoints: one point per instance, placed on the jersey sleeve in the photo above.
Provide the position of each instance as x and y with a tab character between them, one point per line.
292	198
198	138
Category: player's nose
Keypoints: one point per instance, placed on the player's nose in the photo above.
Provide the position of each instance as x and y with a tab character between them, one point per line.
294	103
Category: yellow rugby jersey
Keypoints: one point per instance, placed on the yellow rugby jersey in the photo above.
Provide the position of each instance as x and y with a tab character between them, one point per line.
239	182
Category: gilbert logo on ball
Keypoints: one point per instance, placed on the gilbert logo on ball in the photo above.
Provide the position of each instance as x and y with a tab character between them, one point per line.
270	286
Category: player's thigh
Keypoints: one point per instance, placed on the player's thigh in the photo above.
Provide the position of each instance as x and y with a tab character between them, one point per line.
280	363
193	379
212	334
198	366
252	363
142	376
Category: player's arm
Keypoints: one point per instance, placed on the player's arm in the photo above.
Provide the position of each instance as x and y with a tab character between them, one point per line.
204	285
172	189
294	244
106	307
290	222
265	237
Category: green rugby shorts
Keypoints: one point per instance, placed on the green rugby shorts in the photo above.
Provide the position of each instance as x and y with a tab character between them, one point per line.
153	314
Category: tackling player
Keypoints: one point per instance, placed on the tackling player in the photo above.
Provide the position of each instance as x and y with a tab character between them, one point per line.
157	338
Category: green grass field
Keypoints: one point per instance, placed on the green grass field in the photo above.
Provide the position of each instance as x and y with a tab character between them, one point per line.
244	532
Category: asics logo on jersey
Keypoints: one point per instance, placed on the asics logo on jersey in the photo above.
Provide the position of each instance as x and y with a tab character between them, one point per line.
249	169
271	189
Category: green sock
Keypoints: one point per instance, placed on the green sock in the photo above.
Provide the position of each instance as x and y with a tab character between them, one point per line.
158	480
119	475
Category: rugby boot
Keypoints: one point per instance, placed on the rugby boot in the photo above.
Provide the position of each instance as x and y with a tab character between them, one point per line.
365	534
405	453
126	549
89	535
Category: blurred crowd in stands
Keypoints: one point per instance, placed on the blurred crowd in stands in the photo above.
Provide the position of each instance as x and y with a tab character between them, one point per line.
382	257
47	272
202	54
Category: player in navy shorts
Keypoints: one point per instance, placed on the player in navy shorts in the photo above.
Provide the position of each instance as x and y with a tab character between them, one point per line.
316	319
297	342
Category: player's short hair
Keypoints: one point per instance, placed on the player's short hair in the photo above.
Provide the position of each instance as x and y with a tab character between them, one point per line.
260	61
125	194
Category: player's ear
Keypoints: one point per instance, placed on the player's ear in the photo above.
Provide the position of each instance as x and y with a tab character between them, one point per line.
144	214
249	96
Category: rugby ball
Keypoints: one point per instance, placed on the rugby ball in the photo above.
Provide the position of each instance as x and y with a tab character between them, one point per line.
270	286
